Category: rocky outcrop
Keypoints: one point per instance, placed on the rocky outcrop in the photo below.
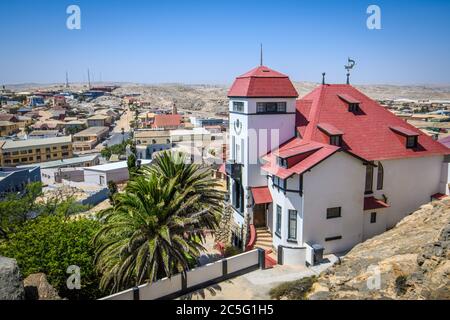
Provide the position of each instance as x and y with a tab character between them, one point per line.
11	287
410	261
38	288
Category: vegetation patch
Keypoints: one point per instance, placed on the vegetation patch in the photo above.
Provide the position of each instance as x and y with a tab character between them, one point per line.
294	290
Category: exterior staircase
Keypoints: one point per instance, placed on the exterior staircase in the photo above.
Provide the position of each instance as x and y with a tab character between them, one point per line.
264	241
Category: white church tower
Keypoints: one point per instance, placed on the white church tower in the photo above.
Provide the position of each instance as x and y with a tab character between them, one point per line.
262	116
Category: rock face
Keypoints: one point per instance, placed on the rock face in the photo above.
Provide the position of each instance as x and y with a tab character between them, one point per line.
410	261
11	287
38	288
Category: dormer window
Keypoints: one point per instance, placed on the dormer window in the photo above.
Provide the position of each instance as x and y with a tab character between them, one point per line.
412	137
336	140
282	163
353	107
353	104
411	142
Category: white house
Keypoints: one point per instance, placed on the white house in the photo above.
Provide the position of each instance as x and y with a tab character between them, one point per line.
328	170
102	174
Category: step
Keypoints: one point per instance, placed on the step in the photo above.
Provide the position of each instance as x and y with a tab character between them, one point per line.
264	243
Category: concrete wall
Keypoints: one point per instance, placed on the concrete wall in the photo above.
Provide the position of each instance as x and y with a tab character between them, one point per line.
117	175
336	182
195	278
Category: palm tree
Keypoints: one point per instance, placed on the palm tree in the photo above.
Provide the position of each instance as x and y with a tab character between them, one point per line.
157	226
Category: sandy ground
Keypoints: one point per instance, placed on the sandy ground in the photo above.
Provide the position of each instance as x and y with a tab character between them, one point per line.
124	121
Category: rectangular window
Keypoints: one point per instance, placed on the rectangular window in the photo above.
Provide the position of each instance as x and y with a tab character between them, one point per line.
333	238
411	142
279	183
335	140
369	179
333	213
353	107
238	106
373	217
282	162
271	107
278	222
292	228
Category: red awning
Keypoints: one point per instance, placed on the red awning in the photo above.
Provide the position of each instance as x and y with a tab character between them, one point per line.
371	203
261	195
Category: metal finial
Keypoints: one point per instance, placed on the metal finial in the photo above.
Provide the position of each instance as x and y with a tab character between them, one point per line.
348	67
261	56
323	78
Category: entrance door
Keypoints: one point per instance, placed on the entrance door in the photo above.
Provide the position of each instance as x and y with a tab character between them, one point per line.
259	216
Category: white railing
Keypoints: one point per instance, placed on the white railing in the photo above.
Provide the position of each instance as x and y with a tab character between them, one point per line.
194	279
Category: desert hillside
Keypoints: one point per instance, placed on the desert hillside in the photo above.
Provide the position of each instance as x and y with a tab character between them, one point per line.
412	259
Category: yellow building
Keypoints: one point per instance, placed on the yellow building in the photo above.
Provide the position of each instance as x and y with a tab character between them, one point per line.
13	153
8	128
87	139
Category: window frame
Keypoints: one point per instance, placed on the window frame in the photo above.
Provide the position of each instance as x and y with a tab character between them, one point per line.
336	140
366	189
292	222
414	142
329	213
238	106
373	217
380	176
278	217
275	107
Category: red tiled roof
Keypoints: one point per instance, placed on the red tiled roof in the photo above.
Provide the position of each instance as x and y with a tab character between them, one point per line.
305	155
368	133
404	131
330	129
445	141
261	195
371	203
262	82
167	120
348	98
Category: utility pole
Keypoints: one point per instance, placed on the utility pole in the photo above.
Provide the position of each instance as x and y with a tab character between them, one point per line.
89	80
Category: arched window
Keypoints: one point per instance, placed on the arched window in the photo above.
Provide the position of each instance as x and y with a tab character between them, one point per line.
380	176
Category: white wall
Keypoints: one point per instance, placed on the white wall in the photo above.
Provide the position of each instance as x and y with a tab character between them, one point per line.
408	183
372	229
336	182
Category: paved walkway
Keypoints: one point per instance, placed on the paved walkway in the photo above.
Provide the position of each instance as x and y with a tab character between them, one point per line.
257	284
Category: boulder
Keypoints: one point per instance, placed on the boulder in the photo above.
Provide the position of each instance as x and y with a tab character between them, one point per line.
37	287
11	287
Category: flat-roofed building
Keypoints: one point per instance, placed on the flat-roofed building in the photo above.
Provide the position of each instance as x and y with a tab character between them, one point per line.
8	128
99	120
43	134
16	179
14	153
150	141
87	139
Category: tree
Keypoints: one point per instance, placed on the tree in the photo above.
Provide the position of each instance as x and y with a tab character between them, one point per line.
157	226
131	163
50	244
112	187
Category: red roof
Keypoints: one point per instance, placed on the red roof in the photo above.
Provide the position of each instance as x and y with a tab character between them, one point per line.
439	196
261	195
404	131
167	120
348	98
367	133
263	82
371	203
330	129
445	141
304	156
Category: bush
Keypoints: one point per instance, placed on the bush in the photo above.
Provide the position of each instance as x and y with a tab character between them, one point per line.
50	244
230	251
294	290
401	285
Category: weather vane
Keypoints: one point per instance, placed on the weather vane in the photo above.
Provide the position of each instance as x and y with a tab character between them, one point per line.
348	67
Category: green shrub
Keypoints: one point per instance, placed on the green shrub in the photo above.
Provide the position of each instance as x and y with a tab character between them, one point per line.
294	290
50	244
230	251
401	285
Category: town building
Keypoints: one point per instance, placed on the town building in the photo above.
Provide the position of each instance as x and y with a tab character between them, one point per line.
8	128
99	120
14	153
323	173
16	179
87	139
167	121
151	141
42	134
102	174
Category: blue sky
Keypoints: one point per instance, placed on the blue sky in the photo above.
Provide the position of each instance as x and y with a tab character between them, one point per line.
201	41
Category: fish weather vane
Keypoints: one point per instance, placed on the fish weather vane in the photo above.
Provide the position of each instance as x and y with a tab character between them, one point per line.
348	67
